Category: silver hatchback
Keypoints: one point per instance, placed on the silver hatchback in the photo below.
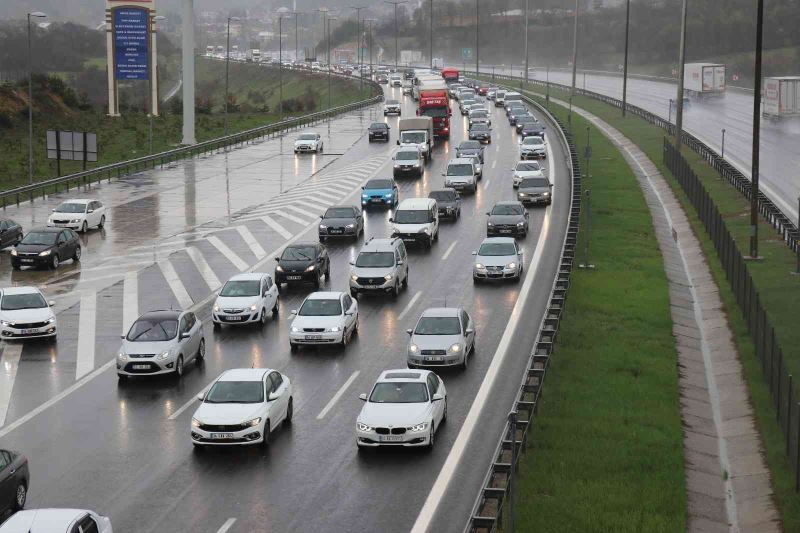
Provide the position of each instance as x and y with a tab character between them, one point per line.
443	336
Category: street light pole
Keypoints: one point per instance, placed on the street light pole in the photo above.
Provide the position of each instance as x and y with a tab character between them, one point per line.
330	86
430	35
723	144
575	50
754	177
150	90
35	14
280	66
395	4
681	64
477	39
358	45
369	40
296	47
227	69
625	64
527	8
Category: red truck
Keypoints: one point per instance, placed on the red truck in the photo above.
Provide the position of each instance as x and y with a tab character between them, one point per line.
450	74
435	103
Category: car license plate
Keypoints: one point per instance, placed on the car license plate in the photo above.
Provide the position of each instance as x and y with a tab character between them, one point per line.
313	337
141	367
390	438
27	260
293	278
408	239
233	318
435	358
29	331
505	231
221	436
336	231
376	200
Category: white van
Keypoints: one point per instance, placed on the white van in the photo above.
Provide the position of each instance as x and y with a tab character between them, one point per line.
416	220
500	98
511	97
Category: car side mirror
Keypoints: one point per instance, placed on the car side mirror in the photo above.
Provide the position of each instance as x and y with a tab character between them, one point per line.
474	253
293	311
348	313
400	262
398	142
352	263
519	253
51	303
363	188
551	185
437	397
489	214
201	396
122	337
185	335
273	396
277	258
362	397
470	331
90	211
323	216
391	219
409	331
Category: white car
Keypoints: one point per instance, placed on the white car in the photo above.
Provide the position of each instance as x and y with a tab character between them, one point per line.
25	314
498	258
526	169
56	521
532	147
246	299
308	142
79	215
324	318
242	406
405	408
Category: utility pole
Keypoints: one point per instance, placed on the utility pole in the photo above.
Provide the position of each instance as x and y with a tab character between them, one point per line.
527	8
187	58
35	14
430	35
296	47
477	39
625	64
280	65
150	100
395	4
358	45
754	192
330	68
574	51
227	69
681	63
369	40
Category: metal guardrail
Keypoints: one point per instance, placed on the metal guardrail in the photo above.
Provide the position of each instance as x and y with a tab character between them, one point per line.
126	168
769	211
487	512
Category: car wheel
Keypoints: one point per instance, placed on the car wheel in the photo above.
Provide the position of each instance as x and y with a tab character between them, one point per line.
328	272
465	362
179	367
396	290
217	326
354	294
317	281
405	280
321	238
263	317
345	338
430	439
411	366
275	310
85	227
201	350
122	378
289	412
444	414
265	441
292	347
15	266
20	495
54	262
77	256
102	221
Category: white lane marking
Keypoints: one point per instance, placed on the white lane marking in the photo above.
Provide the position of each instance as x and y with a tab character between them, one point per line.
408	306
338	395
301	212
193	400
494	164
486	183
205	269
251	241
130	300
55	399
326	195
86	334
269	221
449	249
293	218
227	525
175	283
228	253
480	400
313	206
340	186
9	364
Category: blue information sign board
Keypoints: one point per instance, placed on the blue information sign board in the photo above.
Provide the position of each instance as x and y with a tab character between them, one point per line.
131	43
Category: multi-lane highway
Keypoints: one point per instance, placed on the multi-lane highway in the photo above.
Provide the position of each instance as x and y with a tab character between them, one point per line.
172	237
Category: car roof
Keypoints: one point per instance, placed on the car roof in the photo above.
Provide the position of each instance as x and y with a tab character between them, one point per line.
404	374
378	245
161	314
460	160
21	290
244	374
45	229
44	520
408	149
354	208
498	240
325	295
77	201
442	311
471	143
446	189
416	203
509	202
378	178
302	244
248	276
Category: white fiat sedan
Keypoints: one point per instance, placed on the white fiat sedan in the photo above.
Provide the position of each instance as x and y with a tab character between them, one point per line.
24	314
324	318
405	408
243	406
56	521
246	299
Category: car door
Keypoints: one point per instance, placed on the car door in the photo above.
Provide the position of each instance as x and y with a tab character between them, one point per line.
323	259
349	306
87	524
185	343
279	387
5	235
273	410
7	481
71	242
272	293
468	330
99	210
63	246
437	408
196	330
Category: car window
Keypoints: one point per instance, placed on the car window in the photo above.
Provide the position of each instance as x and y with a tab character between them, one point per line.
88	525
237	288
191	320
347	302
397	257
62	237
268	282
433	385
3	225
277	381
320	307
4	460
464	321
183	327
403	250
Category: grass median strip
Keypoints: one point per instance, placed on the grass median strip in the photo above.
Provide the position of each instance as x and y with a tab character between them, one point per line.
606	450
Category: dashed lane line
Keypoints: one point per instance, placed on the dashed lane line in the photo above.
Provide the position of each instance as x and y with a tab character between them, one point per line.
408	306
86	334
175	284
449	249
338	395
251	241
272	223
238	262
227	525
9	364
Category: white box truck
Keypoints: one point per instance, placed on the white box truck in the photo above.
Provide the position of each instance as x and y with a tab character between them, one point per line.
702	80
781	97
417	132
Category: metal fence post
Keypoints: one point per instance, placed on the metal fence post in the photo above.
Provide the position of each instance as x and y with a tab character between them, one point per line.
512	420
797	465
789	417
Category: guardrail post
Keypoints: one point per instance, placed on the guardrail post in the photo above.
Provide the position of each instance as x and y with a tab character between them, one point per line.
789	417
512	421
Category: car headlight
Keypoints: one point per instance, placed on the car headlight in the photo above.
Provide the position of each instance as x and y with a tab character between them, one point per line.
363	427
279	268
323	226
251	423
419	427
334	329
480	266
13	252
426	231
195	423
51	320
163	355
5	323
216	308
397	165
511	265
520	224
413	348
490	224
388	195
295	329
44	254
354	278
388	277
75	221
546	194
455	348
350	226
122	356
311	268
522	195
253	307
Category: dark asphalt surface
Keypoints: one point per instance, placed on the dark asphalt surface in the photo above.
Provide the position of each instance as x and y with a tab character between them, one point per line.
114	449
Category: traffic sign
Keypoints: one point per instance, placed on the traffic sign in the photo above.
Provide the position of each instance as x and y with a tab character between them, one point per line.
466	53
131	37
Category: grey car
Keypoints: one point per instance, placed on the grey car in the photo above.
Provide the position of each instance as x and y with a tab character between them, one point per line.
480	132
341	221
507	218
498	258
443	336
467	148
448	202
161	342
535	191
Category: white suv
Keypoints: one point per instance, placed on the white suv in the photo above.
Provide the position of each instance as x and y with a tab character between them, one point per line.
416	220
461	174
381	266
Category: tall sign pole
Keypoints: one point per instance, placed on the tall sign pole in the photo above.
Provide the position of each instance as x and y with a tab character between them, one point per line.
188	73
574	51
625	64
756	132
681	74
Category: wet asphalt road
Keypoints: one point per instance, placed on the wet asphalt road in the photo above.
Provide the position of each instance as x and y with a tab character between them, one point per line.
124	451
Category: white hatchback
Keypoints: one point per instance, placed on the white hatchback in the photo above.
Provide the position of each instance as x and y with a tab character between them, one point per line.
246	299
404	408
56	521
308	142
79	215
324	318
25	314
242	406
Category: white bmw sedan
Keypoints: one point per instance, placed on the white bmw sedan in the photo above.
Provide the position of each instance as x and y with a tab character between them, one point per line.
243	406
405	408
324	318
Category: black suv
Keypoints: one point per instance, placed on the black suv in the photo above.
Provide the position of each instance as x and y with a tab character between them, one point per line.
378	131
448	202
303	262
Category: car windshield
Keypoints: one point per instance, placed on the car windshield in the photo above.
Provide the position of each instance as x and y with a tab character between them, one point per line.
399	392
392	102
40	237
308	137
14	302
438	325
153	330
443	196
534	182
507	210
532	140
320	307
378	126
467	102
375	259
479	113
480	126
299	253
407	156
459	170
412	216
528	167
339	212
413	137
435	112
467	94
236	392
526	119
469	145
249	287
497	248
378	184
513	97
71	207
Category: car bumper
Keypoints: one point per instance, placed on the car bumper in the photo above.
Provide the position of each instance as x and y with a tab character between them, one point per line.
532	155
435	360
448	212
316	338
305	277
377	200
459	185
234	319
70	225
495	231
253	435
534	199
402	171
35	261
145	367
378	137
408	439
481	138
395	111
505	273
7	332
413	237
386	286
345	232
301	149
